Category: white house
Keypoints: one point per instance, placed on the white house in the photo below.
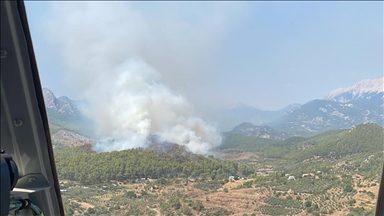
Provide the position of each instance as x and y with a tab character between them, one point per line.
305	175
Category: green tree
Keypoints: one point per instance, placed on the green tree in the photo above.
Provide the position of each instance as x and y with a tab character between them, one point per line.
197	205
91	211
185	210
174	203
348	188
308	203
351	201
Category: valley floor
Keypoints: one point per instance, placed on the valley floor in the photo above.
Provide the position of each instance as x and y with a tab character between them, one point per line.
232	198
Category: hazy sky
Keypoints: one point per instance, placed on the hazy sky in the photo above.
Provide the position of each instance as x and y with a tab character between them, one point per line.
266	54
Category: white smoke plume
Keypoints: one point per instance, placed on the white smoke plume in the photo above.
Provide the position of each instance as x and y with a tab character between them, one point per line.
137	105
122	63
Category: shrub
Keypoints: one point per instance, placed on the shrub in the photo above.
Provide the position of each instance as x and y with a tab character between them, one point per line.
197	205
91	211
316	206
348	188
351	201
308	203
185	210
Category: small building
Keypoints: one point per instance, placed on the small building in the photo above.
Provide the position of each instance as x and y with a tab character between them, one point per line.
291	178
287	175
319	172
231	178
305	175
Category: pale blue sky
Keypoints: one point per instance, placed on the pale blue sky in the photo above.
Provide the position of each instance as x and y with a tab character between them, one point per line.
272	53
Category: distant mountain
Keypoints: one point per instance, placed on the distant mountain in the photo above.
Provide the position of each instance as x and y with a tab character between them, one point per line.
321	115
290	108
229	117
249	129
66	114
240	112
342	108
369	89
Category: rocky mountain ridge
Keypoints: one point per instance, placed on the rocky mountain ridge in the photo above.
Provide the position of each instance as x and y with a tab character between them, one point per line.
68	125
321	115
368	89
62	104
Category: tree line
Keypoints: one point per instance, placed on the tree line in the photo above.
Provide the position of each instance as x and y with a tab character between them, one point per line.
89	167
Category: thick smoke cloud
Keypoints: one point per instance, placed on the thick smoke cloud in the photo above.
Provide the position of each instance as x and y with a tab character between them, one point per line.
122	61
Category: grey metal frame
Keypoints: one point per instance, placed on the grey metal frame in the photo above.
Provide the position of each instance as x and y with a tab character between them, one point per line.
24	124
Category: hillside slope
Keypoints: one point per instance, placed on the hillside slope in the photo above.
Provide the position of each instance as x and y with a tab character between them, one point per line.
363	138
